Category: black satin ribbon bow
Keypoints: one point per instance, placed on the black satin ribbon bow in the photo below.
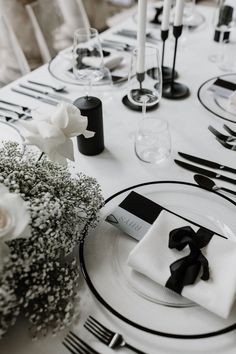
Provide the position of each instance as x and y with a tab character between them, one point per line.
184	271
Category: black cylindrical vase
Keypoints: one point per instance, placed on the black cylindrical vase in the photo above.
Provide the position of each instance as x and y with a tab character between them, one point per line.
91	107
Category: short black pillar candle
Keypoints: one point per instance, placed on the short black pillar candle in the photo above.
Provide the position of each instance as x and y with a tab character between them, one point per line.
91	107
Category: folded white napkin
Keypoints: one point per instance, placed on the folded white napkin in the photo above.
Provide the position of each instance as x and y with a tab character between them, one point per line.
152	257
110	62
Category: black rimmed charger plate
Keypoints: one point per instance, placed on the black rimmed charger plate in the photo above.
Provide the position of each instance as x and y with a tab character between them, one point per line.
60	67
135	299
217	105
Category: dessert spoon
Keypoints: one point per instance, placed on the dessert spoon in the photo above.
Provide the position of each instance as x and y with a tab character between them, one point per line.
209	184
56	88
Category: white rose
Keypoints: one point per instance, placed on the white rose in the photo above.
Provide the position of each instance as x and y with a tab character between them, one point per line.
14	215
14	219
52	134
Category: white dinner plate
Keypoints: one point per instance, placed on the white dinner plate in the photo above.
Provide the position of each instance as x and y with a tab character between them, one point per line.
194	21
60	67
215	104
136	299
8	132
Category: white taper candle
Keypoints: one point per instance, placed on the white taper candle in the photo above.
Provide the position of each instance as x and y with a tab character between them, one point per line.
141	35
179	10
166	15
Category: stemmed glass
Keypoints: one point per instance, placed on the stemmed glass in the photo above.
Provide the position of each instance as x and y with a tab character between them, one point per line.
192	18
152	140
146	94
88	66
223	22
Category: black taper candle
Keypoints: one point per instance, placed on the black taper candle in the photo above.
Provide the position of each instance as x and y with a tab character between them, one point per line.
91	107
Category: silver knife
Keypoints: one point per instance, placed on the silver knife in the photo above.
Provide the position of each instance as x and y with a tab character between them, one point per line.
205	172
25	109
133	34
207	163
19	114
40	98
49	94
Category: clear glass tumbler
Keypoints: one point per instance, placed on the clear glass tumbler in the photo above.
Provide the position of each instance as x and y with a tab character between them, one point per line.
152	141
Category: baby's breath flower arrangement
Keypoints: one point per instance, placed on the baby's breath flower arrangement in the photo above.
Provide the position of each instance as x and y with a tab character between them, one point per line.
38	272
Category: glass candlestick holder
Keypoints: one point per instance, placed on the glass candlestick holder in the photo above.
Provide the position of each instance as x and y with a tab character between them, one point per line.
144	88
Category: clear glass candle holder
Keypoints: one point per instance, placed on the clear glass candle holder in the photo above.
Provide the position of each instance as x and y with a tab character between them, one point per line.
152	140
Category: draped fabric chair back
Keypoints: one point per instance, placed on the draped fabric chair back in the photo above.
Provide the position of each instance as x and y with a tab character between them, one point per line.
14	60
74	14
41	40
46	20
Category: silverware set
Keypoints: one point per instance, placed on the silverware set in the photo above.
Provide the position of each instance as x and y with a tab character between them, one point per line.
16	114
12	111
110	338
76	345
228	141
119	46
56	87
150	37
23	108
46	93
205	182
43	95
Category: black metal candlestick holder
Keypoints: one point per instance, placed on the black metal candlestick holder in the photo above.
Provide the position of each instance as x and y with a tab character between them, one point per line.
172	89
166	71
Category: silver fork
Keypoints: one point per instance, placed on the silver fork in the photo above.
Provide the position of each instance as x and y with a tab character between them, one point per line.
223	137
229	130
111	339
226	145
75	345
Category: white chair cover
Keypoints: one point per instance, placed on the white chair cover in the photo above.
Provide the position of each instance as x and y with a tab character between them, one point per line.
45	18
43	47
74	14
12	56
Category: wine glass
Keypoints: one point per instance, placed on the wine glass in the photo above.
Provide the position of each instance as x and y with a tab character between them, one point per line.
223	22
152	138
145	93
88	65
191	17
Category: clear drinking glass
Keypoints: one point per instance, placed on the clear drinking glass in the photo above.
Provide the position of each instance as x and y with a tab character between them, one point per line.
148	92
88	66
152	141
227	61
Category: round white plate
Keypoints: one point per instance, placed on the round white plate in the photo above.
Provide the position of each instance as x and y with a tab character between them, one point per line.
215	104
60	67
136	299
9	132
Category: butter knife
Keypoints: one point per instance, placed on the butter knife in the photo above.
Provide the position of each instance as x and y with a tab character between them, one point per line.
207	163
49	94
205	172
40	98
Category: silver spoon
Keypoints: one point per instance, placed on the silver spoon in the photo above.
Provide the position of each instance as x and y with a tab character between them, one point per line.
207	183
56	88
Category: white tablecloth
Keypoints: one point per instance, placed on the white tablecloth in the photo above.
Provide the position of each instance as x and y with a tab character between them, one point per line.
118	167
